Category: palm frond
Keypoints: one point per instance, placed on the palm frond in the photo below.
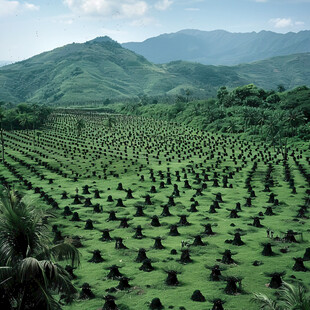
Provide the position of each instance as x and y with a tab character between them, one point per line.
22	230
5	274
264	302
294	297
27	258
30	267
66	251
44	295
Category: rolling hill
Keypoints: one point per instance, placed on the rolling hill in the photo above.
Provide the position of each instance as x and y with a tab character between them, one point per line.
220	47
102	68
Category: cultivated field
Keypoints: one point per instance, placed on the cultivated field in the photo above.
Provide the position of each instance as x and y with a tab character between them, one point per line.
185	196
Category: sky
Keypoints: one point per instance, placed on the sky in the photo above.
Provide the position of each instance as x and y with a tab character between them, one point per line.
30	27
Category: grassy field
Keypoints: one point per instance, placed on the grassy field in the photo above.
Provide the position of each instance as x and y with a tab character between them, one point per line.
102	157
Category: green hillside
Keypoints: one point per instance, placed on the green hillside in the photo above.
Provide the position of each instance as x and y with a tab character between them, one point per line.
102	68
78	72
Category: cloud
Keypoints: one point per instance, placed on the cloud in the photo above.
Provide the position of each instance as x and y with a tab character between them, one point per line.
281	22
31	7
8	7
163	5
13	7
108	8
285	22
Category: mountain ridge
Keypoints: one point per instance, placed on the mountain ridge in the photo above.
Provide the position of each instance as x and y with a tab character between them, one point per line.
102	68
220	47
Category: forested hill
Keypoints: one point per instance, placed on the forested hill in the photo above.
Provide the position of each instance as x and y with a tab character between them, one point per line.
220	47
102	69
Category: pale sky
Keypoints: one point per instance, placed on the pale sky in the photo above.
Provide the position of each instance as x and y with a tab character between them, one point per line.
30	27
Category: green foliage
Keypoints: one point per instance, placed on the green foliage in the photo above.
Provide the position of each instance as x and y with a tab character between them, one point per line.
247	109
28	274
80	125
25	116
291	297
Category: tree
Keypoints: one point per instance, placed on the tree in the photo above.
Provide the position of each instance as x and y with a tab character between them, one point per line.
248	116
232	127
1	134
107	101
252	101
29	274
188	93
144	99
275	130
261	119
23	108
10	119
290	298
223	97
240	94
80	124
180	98
294	118
281	88
25	119
273	98
110	121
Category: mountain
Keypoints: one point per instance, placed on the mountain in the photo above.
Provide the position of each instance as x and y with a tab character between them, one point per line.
79	72
220	47
102	68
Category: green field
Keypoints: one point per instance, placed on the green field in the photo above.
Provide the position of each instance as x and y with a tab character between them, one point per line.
102	157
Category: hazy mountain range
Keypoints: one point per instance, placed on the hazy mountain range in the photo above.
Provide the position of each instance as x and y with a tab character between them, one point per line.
102	68
220	47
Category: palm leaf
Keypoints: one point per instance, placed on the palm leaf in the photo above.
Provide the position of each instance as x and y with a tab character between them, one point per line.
264	302
27	257
294	298
30	268
66	251
5	274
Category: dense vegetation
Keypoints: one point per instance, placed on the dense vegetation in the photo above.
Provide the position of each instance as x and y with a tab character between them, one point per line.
163	215
100	70
274	116
23	116
29	274
220	47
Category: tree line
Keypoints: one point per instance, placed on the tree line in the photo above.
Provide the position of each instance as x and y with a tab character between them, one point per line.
23	116
275	116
